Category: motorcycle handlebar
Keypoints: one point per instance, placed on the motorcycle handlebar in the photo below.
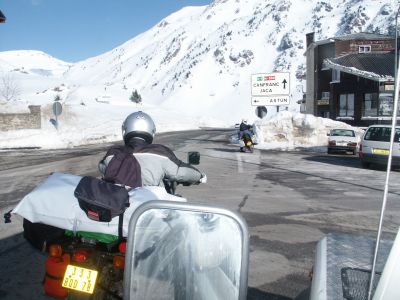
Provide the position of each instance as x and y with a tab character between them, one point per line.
170	185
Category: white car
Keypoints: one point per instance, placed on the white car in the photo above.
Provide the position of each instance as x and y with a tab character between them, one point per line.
375	145
342	139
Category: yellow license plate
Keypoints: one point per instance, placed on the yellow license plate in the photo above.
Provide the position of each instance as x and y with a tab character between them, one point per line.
380	151
248	144
79	279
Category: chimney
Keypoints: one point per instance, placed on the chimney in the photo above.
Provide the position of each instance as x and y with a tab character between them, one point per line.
309	38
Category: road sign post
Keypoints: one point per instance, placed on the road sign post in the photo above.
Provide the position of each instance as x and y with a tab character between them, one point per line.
270	89
57	109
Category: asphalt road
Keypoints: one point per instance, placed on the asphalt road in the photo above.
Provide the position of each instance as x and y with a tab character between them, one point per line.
289	200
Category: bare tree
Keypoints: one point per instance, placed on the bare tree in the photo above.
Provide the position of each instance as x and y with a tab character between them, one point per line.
9	89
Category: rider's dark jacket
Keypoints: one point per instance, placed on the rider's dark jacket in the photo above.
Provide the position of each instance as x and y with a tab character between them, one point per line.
158	162
244	127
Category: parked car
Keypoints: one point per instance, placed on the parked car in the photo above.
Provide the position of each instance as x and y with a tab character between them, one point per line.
342	139
375	146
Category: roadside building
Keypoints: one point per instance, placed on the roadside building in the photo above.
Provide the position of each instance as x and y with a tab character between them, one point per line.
351	78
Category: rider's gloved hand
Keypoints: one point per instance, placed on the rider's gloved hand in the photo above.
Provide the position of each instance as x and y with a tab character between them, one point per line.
203	178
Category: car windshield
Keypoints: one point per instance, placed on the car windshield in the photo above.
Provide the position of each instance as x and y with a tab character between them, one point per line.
381	134
342	132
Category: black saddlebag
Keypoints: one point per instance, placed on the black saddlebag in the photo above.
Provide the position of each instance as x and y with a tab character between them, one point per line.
41	236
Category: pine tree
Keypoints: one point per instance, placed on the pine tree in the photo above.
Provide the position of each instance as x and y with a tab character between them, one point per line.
135	97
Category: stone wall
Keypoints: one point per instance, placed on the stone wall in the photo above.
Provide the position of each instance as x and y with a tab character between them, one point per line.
16	121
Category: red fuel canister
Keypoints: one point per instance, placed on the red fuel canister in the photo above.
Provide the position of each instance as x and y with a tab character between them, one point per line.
55	269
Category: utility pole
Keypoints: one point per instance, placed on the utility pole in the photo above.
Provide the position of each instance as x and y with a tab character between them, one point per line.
396	46
389	163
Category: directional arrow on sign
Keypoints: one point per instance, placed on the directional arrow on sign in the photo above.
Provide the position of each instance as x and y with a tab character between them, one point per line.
272	100
270	84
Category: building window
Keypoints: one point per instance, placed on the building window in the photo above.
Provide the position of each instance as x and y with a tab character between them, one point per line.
335	75
364	49
370	105
346	105
378	104
325	95
385	104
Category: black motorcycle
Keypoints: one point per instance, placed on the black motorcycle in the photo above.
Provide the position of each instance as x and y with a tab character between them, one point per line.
247	144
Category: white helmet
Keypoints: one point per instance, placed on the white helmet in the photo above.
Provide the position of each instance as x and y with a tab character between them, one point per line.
138	124
244	121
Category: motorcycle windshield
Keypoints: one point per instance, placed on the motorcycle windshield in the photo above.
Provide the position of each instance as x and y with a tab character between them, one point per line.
186	255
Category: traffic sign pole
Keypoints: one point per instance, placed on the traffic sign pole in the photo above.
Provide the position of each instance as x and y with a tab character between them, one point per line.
57	109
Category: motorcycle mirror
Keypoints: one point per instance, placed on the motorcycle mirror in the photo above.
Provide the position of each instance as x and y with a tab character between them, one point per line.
194	158
186	251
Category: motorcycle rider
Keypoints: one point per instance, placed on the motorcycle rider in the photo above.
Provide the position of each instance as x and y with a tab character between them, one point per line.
157	162
244	128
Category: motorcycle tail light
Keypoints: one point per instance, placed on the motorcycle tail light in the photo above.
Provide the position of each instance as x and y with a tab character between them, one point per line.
55	250
122	247
119	261
80	256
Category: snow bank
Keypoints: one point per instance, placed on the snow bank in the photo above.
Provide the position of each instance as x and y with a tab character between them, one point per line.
289	131
80	125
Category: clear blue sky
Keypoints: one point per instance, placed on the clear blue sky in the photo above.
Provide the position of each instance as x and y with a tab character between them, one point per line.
73	30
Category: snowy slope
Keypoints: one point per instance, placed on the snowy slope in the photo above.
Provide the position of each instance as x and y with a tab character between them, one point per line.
32	62
206	55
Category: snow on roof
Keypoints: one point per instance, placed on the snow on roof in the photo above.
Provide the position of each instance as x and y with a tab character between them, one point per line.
363	36
374	66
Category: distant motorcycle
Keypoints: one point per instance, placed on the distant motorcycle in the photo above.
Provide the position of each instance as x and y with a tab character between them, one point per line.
246	141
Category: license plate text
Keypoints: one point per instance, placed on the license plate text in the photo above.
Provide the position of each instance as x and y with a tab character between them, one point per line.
79	279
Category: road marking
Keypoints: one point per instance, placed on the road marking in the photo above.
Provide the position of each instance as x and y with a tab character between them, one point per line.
243	203
239	162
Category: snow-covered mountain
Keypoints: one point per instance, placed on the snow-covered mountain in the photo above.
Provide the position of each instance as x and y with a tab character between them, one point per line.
32	62
198	61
